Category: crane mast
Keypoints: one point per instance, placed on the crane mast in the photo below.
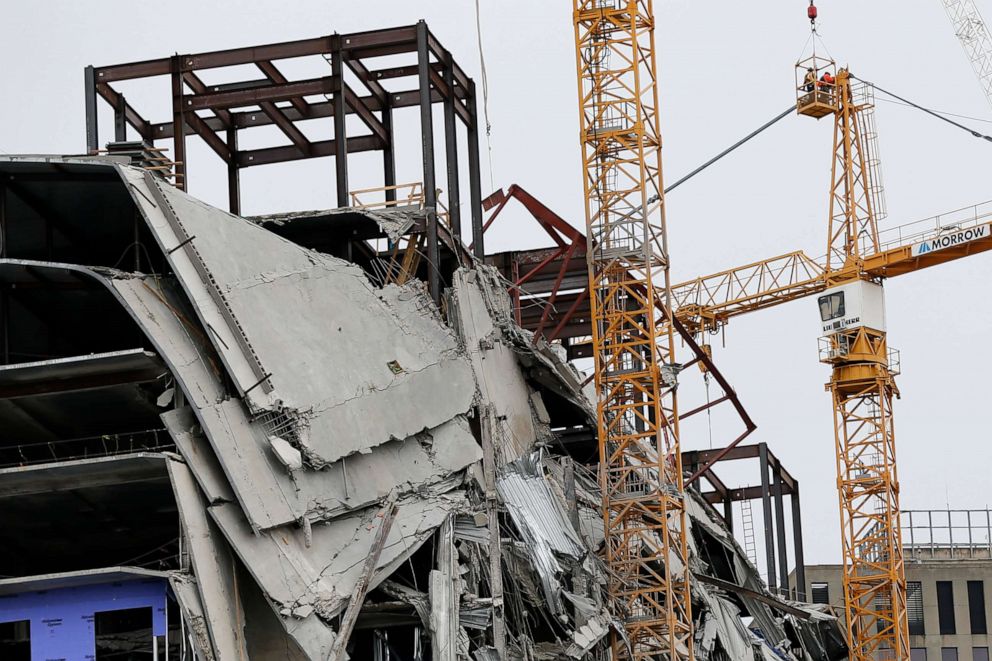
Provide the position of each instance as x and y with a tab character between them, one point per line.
633	333
862	386
974	37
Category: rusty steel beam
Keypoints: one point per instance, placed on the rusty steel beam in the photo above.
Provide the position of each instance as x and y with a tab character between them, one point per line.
322	109
209	136
294	134
268	155
275	76
357	106
112	97
363	74
194	83
250	97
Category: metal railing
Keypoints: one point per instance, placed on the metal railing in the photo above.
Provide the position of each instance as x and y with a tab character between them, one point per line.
87	447
407	195
838	346
934	226
947	534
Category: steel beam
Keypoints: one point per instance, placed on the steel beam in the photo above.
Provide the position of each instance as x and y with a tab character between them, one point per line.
451	154
253	96
215	142
92	133
273	74
783	559
178	123
291	153
797	543
766	510
233	175
288	128
427	151
130	114
120	119
248	119
340	130
474	177
388	155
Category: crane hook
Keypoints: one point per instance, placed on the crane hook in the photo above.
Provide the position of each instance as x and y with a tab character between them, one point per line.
811	14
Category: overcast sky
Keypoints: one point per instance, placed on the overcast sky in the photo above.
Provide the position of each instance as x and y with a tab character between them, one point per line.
725	69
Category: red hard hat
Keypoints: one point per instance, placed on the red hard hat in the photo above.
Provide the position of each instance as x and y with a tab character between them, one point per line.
811	11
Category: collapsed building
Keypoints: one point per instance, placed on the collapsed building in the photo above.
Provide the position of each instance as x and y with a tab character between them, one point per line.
275	457
239	438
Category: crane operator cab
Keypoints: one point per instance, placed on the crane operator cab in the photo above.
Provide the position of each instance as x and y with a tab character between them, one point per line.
816	87
844	311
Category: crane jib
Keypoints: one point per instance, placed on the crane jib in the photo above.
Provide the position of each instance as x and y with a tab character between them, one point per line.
951	239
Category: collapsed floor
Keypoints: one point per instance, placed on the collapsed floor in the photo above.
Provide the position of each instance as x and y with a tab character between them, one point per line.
354	470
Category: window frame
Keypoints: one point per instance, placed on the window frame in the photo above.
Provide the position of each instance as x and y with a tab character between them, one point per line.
977	615
945	608
828	298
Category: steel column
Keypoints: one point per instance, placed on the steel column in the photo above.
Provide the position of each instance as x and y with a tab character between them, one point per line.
4	302
5	324
233	173
340	127
474	180
451	152
388	153
766	511
92	132
3	218
427	148
120	120
797	542
728	513
783	556
178	122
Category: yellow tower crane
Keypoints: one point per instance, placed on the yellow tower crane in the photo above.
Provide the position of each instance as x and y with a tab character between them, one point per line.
848	281
632	330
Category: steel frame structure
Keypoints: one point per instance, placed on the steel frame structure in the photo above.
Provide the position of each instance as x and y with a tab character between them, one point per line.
565	263
862	386
974	36
356	85
774	484
633	331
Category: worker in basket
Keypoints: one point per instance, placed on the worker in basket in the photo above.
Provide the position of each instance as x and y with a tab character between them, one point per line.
827	80
810	79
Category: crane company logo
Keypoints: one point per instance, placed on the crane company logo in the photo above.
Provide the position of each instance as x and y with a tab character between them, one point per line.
952	239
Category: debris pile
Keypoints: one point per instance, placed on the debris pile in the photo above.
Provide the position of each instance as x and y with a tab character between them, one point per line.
360	474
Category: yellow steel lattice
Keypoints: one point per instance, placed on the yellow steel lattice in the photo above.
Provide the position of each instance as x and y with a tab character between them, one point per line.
633	336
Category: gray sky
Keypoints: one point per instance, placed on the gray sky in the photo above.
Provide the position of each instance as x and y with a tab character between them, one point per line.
725	69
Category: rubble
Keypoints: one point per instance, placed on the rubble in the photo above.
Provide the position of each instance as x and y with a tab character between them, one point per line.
300	397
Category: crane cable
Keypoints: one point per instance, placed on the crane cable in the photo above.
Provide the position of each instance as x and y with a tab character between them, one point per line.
973	132
732	147
485	93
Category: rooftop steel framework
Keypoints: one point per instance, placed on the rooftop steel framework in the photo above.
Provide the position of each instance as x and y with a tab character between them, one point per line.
369	74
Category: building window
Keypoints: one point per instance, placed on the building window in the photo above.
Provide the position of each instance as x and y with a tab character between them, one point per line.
15	641
821	593
914	607
976	607
948	654
945	608
918	654
123	633
979	654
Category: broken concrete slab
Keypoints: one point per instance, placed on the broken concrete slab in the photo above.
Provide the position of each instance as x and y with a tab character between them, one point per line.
212	565
306	334
498	375
188	598
429	462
